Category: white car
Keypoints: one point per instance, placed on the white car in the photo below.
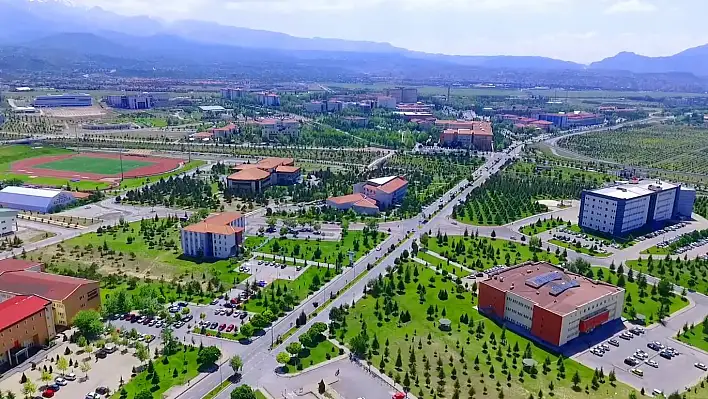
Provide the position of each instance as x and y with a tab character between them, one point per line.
93	395
652	363
60	381
70	377
701	366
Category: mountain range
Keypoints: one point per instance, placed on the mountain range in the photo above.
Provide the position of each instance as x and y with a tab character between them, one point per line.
40	27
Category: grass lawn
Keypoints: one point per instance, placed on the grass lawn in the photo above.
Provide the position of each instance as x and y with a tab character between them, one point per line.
477	353
259	395
323	250
606	239
443	265
482	252
657	251
107	166
252	242
313	356
150	254
695	337
13	153
644	303
543	225
689	273
166	373
283	295
582	250
129	184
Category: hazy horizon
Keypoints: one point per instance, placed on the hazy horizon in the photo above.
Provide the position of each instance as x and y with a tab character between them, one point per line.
571	30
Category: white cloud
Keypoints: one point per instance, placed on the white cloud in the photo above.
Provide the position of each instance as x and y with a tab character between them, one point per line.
630	6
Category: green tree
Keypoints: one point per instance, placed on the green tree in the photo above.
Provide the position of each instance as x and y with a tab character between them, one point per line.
208	355
141	352
282	357
576	379
247	330
29	388
236	363
243	392
144	394
89	323
62	365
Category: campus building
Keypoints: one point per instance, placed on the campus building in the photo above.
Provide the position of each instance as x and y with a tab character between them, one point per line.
232	94
563	120
34	199
267	172
63	100
268	99
469	135
27	321
137	101
548	303
68	295
271	127
223	132
219	236
8	221
373	195
619	210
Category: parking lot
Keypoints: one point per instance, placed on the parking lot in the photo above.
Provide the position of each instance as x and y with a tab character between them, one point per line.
670	375
270	271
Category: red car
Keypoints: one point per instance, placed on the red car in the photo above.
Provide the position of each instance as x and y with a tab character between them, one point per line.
222	327
230	328
48	393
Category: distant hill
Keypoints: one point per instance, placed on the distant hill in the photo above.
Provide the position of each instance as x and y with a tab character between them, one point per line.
693	60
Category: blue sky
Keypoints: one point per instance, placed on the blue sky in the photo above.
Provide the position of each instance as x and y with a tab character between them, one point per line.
575	30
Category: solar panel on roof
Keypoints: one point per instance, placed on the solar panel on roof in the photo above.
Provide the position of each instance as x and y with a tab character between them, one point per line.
560	287
543	279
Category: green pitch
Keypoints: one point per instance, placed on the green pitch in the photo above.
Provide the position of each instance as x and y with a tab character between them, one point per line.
102	166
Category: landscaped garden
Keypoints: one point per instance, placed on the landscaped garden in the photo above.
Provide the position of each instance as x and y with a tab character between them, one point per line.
696	336
143	259
283	295
311	349
480	253
422	330
326	251
178	364
689	273
683	241
578	247
542	225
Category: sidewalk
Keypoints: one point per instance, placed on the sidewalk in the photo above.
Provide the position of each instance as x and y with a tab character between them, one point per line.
293	260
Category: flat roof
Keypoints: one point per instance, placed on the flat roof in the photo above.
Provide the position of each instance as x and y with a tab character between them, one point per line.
631	191
34	192
212	108
541	282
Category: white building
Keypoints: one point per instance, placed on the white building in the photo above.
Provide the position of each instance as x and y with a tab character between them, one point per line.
232	94
219	236
278	127
137	101
619	210
386	102
8	221
34	199
268	99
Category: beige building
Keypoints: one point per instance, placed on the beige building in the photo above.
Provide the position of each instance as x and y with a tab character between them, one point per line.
27	321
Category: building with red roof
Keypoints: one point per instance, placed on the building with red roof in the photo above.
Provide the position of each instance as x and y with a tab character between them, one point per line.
475	135
27	321
552	305
218	236
68	295
267	172
373	195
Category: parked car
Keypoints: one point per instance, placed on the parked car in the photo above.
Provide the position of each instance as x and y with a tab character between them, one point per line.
701	366
102	391
60	381
92	395
70	377
614	342
638	372
48	393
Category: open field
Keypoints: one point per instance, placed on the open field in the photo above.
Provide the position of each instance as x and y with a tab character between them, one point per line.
542	225
103	166
400	334
482	253
696	336
332	252
443	264
323	351
137	254
670	147
579	248
136	182
13	153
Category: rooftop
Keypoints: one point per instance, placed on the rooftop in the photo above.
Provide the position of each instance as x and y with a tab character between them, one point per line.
347	199
550	287
394	185
15	265
380	181
212	108
203	227
51	286
250	175
287	169
224	218
34	192
366	203
20	307
631	191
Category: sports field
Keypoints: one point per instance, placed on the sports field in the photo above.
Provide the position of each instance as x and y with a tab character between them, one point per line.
101	166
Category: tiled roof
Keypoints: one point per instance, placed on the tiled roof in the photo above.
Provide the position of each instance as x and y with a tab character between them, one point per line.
287	169
223	218
347	199
20	307
250	175
51	286
366	203
393	185
203	227
16	265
